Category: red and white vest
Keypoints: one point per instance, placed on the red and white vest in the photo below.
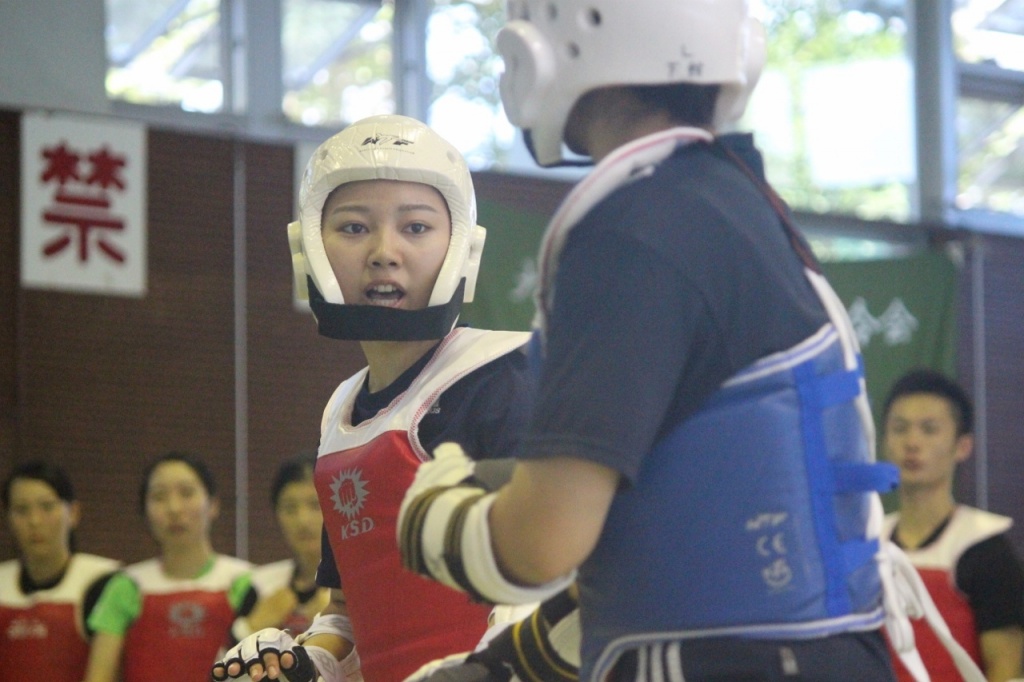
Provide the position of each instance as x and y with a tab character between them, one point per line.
400	619
191	618
42	635
937	564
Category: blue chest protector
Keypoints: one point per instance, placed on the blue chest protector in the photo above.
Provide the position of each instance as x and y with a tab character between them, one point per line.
780	454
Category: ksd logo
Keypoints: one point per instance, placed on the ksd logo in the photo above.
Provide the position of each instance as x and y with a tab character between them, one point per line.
27	628
187	619
348	492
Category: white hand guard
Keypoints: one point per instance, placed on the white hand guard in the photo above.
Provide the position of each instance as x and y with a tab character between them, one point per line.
443	532
312	663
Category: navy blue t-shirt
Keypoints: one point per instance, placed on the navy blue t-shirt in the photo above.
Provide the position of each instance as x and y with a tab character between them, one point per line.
664	290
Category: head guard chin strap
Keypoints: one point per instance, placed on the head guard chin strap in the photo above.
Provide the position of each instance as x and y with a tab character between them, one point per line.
348	322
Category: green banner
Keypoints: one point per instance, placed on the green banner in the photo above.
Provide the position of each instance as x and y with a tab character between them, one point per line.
904	311
508	271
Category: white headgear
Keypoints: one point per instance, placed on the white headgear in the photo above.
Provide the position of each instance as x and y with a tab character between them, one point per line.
557	50
388	147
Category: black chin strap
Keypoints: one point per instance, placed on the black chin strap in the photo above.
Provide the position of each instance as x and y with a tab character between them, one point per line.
379	323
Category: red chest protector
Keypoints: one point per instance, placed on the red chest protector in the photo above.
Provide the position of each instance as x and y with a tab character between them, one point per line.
43	640
191	618
400	620
41	635
936	564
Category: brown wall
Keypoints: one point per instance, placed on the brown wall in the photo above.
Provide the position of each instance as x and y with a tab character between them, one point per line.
106	383
103	384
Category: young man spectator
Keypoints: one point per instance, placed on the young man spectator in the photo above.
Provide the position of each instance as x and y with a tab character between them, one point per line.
963	554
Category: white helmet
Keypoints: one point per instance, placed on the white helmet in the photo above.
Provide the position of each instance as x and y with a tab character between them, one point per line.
387	147
557	50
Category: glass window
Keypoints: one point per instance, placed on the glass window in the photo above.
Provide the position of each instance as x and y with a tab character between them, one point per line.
836	249
990	32
337	60
989	46
991	145
166	52
465	105
833	112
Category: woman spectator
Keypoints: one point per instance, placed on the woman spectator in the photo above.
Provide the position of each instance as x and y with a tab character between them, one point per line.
184	600
47	593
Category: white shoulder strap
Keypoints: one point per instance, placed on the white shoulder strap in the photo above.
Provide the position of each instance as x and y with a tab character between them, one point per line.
907	597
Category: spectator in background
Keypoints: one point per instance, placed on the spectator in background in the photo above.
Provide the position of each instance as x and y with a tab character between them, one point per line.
963	554
288	596
47	593
183	601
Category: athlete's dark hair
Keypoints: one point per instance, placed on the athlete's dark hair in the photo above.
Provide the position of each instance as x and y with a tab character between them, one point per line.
187	458
687	103
50	474
295	470
930	382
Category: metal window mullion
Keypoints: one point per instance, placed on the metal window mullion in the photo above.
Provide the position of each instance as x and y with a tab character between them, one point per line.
263	58
935	96
990	82
409	65
156	29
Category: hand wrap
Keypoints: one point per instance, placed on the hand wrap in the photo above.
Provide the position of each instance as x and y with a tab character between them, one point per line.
311	663
443	532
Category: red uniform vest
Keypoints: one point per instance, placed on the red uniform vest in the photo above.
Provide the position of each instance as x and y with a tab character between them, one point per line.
191	618
42	635
400	620
936	564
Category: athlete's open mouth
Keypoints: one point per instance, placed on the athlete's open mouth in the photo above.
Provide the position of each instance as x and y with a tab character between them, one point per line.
384	294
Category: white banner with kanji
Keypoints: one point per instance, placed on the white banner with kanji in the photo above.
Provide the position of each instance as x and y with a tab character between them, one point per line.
83	205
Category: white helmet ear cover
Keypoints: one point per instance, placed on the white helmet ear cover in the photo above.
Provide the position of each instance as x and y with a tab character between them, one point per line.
472	269
733	98
529	71
299	271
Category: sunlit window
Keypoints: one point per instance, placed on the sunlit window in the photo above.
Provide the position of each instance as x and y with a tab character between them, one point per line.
989	44
166	52
991	144
833	112
989	32
464	69
337	60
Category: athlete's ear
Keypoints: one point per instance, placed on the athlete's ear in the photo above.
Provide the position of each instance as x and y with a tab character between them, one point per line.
964	447
214	508
74	514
